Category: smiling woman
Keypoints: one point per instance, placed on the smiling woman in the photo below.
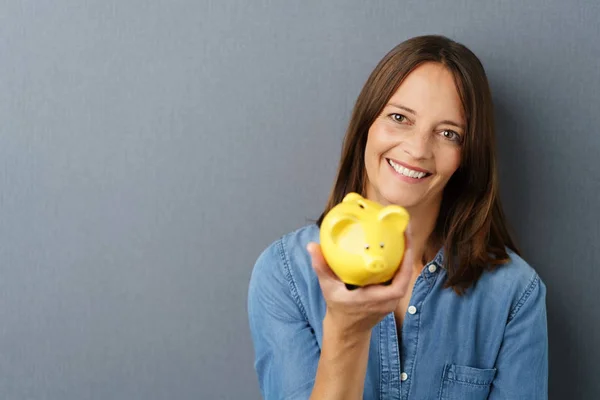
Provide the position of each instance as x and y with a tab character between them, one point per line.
465	316
420	146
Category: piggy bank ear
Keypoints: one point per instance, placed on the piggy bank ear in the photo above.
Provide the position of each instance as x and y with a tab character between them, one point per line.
352	197
342	226
397	214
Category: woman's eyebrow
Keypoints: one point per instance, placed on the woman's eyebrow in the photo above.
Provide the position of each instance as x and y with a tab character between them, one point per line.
444	122
456	124
403	108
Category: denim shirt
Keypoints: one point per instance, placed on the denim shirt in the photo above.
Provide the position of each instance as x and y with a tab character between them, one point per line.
490	343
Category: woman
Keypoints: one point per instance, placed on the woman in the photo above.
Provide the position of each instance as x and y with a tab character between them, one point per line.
464	317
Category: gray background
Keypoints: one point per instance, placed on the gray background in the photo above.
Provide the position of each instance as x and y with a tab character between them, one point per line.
149	150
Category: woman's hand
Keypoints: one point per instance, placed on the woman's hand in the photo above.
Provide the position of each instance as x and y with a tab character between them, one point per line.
355	312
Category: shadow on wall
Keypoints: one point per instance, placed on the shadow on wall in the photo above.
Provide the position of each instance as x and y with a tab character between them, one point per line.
528	184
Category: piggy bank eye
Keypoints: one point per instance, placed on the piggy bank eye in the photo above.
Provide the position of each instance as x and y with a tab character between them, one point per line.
381	245
361	206
366	247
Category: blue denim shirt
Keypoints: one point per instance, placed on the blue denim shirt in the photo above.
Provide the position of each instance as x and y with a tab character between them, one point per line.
488	344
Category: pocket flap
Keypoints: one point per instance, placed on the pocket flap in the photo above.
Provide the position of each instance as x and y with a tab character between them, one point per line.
475	376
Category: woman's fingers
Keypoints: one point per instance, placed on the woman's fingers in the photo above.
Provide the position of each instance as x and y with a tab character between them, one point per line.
324	273
364	305
401	280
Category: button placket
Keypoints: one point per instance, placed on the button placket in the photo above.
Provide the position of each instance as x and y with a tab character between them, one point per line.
410	329
391	380
429	273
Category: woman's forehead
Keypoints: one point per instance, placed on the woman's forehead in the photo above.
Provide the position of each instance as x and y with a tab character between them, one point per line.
429	91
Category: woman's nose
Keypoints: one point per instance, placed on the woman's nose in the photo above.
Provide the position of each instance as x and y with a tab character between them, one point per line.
418	145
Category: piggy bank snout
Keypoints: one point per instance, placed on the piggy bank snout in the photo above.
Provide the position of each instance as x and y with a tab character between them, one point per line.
376	264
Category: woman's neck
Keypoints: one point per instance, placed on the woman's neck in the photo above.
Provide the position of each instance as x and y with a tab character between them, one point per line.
422	225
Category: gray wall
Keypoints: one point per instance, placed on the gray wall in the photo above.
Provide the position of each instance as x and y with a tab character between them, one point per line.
149	150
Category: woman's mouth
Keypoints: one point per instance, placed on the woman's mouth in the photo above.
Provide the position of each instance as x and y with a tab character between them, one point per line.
407	172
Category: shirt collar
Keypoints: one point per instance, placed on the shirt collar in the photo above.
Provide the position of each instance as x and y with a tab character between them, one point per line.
438	260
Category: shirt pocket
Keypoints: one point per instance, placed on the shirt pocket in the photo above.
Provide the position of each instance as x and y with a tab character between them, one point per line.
461	382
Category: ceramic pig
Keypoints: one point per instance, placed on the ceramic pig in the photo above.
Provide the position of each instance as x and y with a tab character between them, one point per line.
362	241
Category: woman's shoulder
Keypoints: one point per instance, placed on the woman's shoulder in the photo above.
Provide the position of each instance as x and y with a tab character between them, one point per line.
282	275
517	279
515	272
286	253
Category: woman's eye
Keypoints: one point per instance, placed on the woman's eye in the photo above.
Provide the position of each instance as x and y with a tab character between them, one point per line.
451	135
398	117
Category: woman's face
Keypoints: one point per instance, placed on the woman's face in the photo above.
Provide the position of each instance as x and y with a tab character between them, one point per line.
414	145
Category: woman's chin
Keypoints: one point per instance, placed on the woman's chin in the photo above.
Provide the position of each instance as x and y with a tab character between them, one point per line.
401	199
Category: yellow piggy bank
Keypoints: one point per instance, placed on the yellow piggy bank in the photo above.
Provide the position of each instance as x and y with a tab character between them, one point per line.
362	241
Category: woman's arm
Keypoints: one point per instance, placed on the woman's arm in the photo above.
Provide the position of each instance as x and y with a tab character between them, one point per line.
342	366
288	360
522	363
285	346
350	317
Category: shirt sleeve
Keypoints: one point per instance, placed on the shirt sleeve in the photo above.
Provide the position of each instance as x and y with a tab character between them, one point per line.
522	363
285	346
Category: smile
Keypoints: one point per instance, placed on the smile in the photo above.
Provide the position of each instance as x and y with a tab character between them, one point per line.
407	172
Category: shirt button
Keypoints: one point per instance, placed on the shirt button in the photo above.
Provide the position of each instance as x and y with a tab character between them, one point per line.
404	376
412	310
432	268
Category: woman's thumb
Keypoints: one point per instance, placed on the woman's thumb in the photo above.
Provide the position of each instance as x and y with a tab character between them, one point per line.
319	263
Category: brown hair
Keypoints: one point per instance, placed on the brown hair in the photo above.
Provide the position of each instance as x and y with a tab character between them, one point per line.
471	224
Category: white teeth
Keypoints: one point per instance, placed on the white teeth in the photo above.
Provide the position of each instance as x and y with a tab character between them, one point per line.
405	171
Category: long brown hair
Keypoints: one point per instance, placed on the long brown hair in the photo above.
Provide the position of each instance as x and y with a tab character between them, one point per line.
471	224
